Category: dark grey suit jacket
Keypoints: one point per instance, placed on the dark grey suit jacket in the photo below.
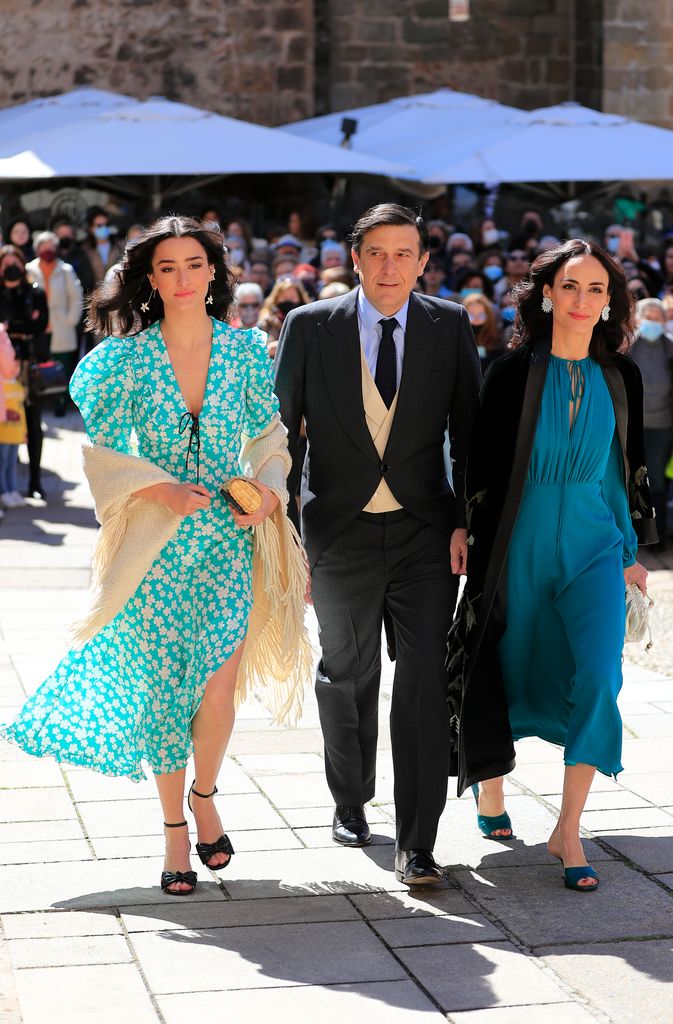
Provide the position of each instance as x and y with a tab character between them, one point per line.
319	377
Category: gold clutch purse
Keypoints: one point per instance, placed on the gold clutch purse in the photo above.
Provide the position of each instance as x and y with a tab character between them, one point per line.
242	495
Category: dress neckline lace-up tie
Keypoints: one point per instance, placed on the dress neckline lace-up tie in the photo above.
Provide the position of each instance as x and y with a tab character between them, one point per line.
188	419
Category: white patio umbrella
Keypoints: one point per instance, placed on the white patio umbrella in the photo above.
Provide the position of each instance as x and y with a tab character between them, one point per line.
412	128
122	136
568	142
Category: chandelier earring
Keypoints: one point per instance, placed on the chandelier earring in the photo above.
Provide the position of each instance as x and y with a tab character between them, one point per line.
209	297
145	306
605	313
547	304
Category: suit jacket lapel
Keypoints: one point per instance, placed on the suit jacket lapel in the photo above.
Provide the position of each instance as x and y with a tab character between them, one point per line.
340	350
419	344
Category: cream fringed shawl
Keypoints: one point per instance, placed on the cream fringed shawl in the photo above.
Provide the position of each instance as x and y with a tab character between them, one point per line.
278	657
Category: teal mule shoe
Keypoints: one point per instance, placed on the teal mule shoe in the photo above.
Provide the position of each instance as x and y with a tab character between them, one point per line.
490	824
573	876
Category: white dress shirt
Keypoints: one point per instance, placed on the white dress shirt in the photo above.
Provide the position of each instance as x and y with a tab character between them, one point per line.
370	332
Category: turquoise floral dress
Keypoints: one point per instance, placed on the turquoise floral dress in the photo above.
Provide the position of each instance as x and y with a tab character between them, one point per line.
130	693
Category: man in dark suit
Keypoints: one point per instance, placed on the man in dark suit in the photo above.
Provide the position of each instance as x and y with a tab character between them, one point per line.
377	375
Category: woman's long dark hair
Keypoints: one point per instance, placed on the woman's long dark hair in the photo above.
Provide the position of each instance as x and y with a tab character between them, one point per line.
115	306
609	336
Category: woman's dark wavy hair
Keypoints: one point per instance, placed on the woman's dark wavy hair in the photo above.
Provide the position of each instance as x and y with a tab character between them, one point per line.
114	307
613	335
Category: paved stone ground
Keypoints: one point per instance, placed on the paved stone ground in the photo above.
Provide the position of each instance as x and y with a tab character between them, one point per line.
298	928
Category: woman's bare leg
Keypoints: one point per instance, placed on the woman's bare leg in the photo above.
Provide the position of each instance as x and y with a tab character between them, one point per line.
492	802
171	793
211	729
565	841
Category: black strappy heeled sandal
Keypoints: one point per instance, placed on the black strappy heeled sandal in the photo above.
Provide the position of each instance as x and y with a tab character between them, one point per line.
221	845
171	877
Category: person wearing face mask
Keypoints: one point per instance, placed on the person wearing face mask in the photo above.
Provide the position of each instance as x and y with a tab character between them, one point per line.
653	352
485	235
64	300
248	299
24	312
470	280
71	252
492	265
287	294
100	246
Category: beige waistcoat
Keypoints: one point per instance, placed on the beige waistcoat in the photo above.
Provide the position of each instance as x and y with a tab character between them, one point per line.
379	422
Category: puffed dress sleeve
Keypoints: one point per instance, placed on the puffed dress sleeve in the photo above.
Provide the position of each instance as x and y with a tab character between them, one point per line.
261	404
614	490
102	389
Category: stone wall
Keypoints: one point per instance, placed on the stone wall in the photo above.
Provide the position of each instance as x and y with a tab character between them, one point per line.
251	59
519	52
273	61
638	59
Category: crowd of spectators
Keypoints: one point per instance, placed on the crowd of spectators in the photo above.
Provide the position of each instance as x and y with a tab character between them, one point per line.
294	263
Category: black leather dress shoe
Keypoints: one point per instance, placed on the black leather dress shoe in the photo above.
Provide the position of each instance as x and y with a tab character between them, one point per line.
417	867
350	826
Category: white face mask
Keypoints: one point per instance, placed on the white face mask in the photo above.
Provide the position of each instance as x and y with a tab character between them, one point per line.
491	236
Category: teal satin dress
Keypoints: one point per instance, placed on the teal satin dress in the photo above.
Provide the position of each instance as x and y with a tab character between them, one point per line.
561	653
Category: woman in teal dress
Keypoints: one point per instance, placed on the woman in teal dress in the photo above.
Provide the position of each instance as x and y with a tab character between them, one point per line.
160	678
552	542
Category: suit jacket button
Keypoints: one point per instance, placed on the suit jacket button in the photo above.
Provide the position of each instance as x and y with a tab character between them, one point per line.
383	467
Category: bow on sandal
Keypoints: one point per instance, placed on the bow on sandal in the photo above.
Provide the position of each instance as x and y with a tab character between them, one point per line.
207	850
169	878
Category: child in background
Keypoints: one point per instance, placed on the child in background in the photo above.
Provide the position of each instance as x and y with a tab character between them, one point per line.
9	368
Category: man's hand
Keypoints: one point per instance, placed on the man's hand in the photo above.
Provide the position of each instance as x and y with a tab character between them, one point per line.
459	552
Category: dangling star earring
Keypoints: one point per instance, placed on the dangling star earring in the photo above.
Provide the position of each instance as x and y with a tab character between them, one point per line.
605	313
547	304
209	300
145	306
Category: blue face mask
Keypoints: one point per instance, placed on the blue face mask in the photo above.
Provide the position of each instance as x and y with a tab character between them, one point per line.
509	314
469	291
613	243
102	232
494	273
651	330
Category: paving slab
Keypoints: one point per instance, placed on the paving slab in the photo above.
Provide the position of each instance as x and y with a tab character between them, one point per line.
558	1013
305	790
238	913
264	957
298	872
59	924
437	931
637	817
615	799
55	952
30	772
628	981
51	804
45	852
285	764
537	906
83	995
470	977
88	885
654	786
309	817
652	850
116	847
381	906
144	816
37	831
392	1002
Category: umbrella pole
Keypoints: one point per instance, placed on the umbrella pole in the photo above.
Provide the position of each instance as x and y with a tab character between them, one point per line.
155	195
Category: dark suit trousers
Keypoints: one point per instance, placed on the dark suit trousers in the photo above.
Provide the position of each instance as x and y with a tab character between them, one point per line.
397	563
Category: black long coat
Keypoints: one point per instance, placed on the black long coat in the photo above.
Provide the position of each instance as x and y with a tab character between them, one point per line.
496	475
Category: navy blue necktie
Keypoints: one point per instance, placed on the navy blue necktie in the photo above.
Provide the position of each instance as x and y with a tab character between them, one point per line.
386	362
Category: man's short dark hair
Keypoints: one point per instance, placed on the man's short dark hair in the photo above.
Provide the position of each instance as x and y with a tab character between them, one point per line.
389	214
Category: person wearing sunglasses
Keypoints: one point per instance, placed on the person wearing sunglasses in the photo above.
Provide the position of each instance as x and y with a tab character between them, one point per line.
248	299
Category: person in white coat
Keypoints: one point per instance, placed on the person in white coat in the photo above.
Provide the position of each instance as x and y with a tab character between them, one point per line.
64	297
